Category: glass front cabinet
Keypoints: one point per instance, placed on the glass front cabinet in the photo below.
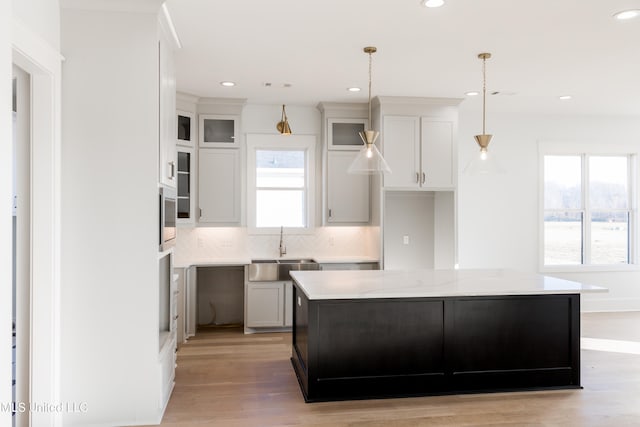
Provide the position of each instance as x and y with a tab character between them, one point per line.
343	134
219	131
186	193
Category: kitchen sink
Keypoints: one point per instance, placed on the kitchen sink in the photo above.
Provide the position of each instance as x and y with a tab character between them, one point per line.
267	270
297	261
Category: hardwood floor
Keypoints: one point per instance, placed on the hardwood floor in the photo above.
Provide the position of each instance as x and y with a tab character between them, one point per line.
225	378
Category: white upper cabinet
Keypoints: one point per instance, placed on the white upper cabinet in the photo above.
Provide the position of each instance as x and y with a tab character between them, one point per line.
167	113
420	152
437	153
347	195
186	185
219	131
219	186
343	134
186	122
402	151
346	198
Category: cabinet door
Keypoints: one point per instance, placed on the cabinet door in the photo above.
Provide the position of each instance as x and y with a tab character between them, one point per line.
347	195
219	131
167	115
402	151
186	181
288	303
437	153
219	185
343	134
186	128
265	304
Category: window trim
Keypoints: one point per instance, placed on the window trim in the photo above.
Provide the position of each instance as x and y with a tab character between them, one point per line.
284	143
584	150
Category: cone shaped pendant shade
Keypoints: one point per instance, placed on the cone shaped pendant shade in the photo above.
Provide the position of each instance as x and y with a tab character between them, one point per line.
369	159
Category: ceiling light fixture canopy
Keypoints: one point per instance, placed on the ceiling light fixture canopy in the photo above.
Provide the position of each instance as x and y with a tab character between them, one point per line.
283	125
627	14
483	164
432	3
369	159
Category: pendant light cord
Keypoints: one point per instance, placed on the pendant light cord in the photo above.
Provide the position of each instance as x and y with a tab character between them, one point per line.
370	127
484	92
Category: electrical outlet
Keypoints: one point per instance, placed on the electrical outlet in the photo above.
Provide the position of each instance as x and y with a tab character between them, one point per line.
226	243
331	241
200	242
405	239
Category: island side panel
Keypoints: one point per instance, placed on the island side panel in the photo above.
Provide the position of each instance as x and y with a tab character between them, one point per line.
379	347
300	338
514	342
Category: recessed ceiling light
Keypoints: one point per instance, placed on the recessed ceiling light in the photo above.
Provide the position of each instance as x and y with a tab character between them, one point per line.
227	84
353	89
627	14
472	93
432	3
565	97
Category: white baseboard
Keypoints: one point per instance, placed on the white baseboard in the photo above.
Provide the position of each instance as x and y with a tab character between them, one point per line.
609	304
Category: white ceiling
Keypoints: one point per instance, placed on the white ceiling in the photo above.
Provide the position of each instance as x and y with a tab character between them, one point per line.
541	49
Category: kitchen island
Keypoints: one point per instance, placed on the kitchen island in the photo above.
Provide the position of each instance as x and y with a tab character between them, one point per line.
369	334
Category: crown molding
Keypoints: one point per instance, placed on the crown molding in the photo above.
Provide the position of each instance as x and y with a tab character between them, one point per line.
136	6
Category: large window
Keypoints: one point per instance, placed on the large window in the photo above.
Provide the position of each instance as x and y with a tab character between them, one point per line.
588	210
280	181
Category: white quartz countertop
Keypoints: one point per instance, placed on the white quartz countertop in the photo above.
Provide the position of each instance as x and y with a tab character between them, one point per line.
246	260
214	262
343	259
318	285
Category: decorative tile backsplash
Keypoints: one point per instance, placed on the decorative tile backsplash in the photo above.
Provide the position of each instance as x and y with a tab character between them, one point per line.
201	243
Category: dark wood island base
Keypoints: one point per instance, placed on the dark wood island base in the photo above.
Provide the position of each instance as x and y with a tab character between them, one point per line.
398	347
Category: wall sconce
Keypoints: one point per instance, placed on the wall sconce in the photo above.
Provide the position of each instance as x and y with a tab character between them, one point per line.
283	125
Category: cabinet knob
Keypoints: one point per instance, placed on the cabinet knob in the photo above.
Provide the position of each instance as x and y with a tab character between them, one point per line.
418	177
330	213
424	177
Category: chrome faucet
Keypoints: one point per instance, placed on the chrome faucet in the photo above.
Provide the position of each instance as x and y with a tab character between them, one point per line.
283	248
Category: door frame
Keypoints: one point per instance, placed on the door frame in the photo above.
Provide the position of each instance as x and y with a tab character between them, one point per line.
44	63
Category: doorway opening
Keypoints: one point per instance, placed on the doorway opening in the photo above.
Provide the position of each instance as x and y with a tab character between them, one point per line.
21	238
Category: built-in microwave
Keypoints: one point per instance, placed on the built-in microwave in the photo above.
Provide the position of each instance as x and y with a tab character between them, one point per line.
167	224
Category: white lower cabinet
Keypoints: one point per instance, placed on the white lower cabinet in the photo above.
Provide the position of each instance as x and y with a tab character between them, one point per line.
167	370
268	304
288	303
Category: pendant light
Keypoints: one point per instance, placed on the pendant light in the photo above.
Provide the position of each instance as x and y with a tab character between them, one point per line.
484	164
283	125
369	160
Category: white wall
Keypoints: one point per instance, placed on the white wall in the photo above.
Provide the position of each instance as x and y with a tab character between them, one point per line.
199	244
498	215
6	167
109	300
202	243
42	17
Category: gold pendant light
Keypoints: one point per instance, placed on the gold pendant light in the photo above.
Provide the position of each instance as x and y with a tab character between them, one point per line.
369	160
484	164
484	139
283	125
